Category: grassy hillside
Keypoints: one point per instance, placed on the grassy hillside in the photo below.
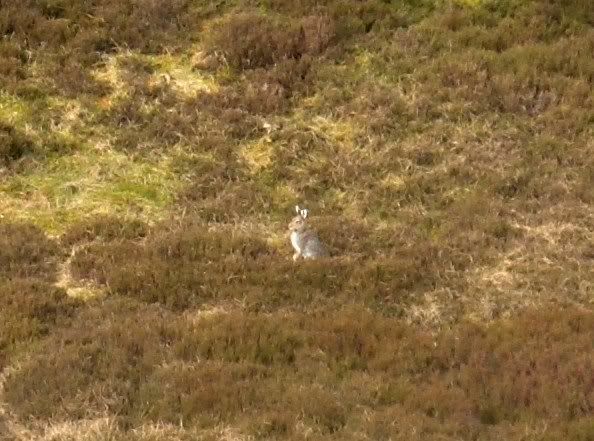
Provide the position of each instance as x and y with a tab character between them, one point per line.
151	152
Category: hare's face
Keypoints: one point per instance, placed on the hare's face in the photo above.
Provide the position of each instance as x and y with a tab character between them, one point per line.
297	224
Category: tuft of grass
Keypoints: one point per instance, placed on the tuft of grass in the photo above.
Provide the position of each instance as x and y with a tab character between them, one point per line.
14	110
266	39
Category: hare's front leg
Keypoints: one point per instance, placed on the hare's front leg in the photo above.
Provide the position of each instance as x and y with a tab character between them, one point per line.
296	256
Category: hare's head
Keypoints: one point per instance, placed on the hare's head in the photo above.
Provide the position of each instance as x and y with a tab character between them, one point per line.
299	222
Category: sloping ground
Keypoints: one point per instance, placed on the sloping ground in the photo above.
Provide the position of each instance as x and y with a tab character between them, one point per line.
150	156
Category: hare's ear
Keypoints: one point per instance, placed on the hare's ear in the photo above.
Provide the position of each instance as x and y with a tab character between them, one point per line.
304	213
297	209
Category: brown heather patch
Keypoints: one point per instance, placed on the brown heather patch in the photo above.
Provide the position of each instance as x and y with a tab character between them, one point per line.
252	40
29	310
476	378
103	228
12	65
26	252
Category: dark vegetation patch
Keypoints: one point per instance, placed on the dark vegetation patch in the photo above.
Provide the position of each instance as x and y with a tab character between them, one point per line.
103	228
252	40
146	24
105	353
19	149
27	253
29	309
29	304
13	145
220	192
260	372
13	60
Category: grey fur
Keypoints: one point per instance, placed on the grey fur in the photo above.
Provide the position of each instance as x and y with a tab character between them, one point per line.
305	241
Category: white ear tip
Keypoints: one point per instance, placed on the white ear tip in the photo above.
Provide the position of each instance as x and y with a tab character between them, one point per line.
297	209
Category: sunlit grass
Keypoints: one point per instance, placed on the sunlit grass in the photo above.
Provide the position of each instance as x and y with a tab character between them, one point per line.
258	155
66	189
185	79
13	109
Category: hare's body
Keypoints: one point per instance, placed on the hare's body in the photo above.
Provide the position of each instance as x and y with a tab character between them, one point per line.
305	241
307	245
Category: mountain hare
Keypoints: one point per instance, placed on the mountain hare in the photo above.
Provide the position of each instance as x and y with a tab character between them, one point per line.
306	242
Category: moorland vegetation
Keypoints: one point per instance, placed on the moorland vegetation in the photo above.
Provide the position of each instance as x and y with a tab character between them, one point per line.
151	153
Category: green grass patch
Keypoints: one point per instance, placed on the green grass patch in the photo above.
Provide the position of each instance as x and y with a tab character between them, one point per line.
65	189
